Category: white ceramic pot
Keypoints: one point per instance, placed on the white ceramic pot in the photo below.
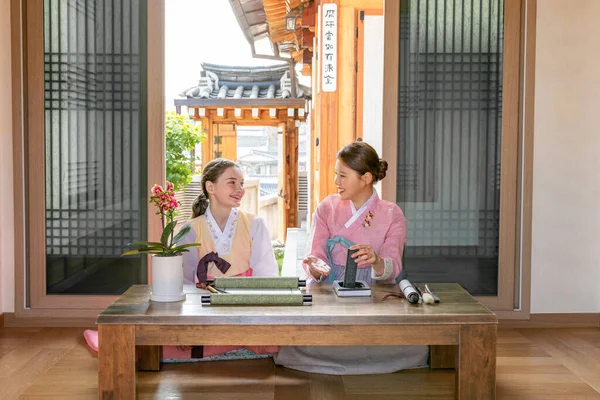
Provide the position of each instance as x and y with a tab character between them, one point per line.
167	279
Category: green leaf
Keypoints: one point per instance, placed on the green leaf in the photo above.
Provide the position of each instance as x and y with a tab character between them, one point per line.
167	232
130	253
184	231
142	250
145	244
184	246
181	138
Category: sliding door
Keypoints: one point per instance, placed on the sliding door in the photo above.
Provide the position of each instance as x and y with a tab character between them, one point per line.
89	144
452	133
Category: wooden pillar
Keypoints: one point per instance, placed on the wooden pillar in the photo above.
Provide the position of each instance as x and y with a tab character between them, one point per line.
315	120
291	138
347	41
282	204
335	125
207	145
328	120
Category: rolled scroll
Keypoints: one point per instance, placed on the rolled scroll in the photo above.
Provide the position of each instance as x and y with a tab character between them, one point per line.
264	299
257	282
409	291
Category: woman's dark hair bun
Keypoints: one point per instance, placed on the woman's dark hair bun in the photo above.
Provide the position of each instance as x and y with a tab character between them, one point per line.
383	166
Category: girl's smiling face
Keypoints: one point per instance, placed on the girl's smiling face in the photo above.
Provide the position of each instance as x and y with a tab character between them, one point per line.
228	190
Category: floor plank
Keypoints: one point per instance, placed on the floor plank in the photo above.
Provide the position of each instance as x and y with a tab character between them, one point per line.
54	363
20	379
576	354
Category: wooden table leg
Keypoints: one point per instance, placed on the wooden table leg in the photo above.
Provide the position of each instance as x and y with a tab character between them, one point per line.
442	356
476	372
148	357
116	362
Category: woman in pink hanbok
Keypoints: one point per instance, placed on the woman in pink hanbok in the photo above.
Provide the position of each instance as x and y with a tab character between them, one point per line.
355	218
232	243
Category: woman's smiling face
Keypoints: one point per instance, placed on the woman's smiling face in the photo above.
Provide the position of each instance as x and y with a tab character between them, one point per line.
348	182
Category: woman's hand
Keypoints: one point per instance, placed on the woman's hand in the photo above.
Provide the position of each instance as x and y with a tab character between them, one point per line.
317	268
365	255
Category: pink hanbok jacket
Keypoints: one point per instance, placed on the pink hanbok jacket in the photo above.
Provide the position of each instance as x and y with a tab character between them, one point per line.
379	223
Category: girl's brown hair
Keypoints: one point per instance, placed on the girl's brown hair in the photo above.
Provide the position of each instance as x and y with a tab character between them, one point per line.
211	173
363	158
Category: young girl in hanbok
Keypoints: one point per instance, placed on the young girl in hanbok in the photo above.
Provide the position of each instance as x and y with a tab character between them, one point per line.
355	218
233	243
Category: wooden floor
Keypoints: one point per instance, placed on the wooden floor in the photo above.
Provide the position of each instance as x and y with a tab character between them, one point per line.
53	363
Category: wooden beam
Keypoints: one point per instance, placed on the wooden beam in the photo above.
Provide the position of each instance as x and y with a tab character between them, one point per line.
261	117
309	16
264	115
262	107
306	70
307	38
363	4
307	56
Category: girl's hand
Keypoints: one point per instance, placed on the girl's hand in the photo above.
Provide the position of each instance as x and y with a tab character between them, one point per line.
317	268
365	255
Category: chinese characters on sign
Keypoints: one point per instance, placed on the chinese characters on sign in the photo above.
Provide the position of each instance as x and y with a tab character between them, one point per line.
329	49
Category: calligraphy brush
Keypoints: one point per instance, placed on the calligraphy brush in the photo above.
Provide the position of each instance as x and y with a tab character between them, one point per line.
425	295
213	289
435	297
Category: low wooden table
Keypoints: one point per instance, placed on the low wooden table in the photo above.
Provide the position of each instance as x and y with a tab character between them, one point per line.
460	330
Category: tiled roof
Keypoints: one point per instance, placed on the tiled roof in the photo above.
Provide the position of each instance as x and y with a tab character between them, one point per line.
236	82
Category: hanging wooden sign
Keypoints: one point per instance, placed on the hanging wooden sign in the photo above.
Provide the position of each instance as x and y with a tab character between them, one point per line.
329	47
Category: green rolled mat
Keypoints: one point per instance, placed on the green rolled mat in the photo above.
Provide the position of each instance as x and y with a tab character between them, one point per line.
222	299
256	282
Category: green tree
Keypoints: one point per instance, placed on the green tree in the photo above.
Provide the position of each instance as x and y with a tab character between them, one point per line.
182	136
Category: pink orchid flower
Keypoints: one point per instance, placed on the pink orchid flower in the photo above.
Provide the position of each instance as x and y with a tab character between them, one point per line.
156	189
